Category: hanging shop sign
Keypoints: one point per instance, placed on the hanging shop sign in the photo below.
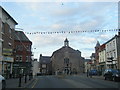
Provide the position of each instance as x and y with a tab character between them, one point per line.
7	52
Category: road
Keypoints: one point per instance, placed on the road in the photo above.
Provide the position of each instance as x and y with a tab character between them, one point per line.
74	81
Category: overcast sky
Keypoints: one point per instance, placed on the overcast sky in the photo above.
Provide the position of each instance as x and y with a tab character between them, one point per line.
65	16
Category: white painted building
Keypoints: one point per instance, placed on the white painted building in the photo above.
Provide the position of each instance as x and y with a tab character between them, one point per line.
102	58
35	68
112	52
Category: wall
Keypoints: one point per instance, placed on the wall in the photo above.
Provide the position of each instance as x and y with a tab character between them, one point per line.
35	67
0	41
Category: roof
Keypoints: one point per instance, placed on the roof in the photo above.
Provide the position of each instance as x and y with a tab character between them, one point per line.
93	55
66	40
102	47
98	44
8	15
45	59
87	60
19	35
66	48
116	36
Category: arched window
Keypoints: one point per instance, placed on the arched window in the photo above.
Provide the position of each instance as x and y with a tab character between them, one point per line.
66	61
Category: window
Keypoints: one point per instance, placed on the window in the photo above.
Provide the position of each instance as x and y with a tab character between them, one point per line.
28	47
3	27
114	44
20	58
114	54
66	60
10	30
27	58
17	57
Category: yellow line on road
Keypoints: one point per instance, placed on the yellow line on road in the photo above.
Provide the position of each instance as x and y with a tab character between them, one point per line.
35	83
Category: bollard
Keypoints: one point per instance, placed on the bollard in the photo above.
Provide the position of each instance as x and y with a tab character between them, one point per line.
29	77
19	81
25	78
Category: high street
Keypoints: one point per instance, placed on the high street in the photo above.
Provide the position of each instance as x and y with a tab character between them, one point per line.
74	81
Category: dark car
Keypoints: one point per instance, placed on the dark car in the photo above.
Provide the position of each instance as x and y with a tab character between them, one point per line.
93	72
116	75
39	74
112	74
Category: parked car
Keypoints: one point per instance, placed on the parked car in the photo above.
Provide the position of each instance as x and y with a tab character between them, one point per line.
39	74
2	83
93	72
112	74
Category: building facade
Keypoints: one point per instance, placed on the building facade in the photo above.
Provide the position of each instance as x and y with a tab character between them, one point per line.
7	25
97	55
113	52
35	67
0	41
87	64
93	61
102	58
66	60
45	65
22	54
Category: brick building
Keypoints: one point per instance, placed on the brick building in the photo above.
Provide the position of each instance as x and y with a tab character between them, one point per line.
22	54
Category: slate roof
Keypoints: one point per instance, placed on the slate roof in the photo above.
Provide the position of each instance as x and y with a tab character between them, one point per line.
8	15
98	44
87	60
64	49
66	40
19	35
45	59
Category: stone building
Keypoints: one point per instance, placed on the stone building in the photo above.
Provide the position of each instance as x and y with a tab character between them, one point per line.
67	60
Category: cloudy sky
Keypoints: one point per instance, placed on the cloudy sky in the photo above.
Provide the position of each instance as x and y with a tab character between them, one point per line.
65	16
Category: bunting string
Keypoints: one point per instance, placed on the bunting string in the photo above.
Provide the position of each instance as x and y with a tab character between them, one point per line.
70	32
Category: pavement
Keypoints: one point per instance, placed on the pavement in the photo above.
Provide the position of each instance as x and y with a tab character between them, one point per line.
14	82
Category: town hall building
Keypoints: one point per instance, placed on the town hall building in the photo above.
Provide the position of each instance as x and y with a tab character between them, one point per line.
67	60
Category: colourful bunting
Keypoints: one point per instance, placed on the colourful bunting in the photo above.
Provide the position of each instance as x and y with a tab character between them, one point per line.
70	32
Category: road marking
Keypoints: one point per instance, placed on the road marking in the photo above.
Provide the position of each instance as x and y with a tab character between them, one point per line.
34	83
